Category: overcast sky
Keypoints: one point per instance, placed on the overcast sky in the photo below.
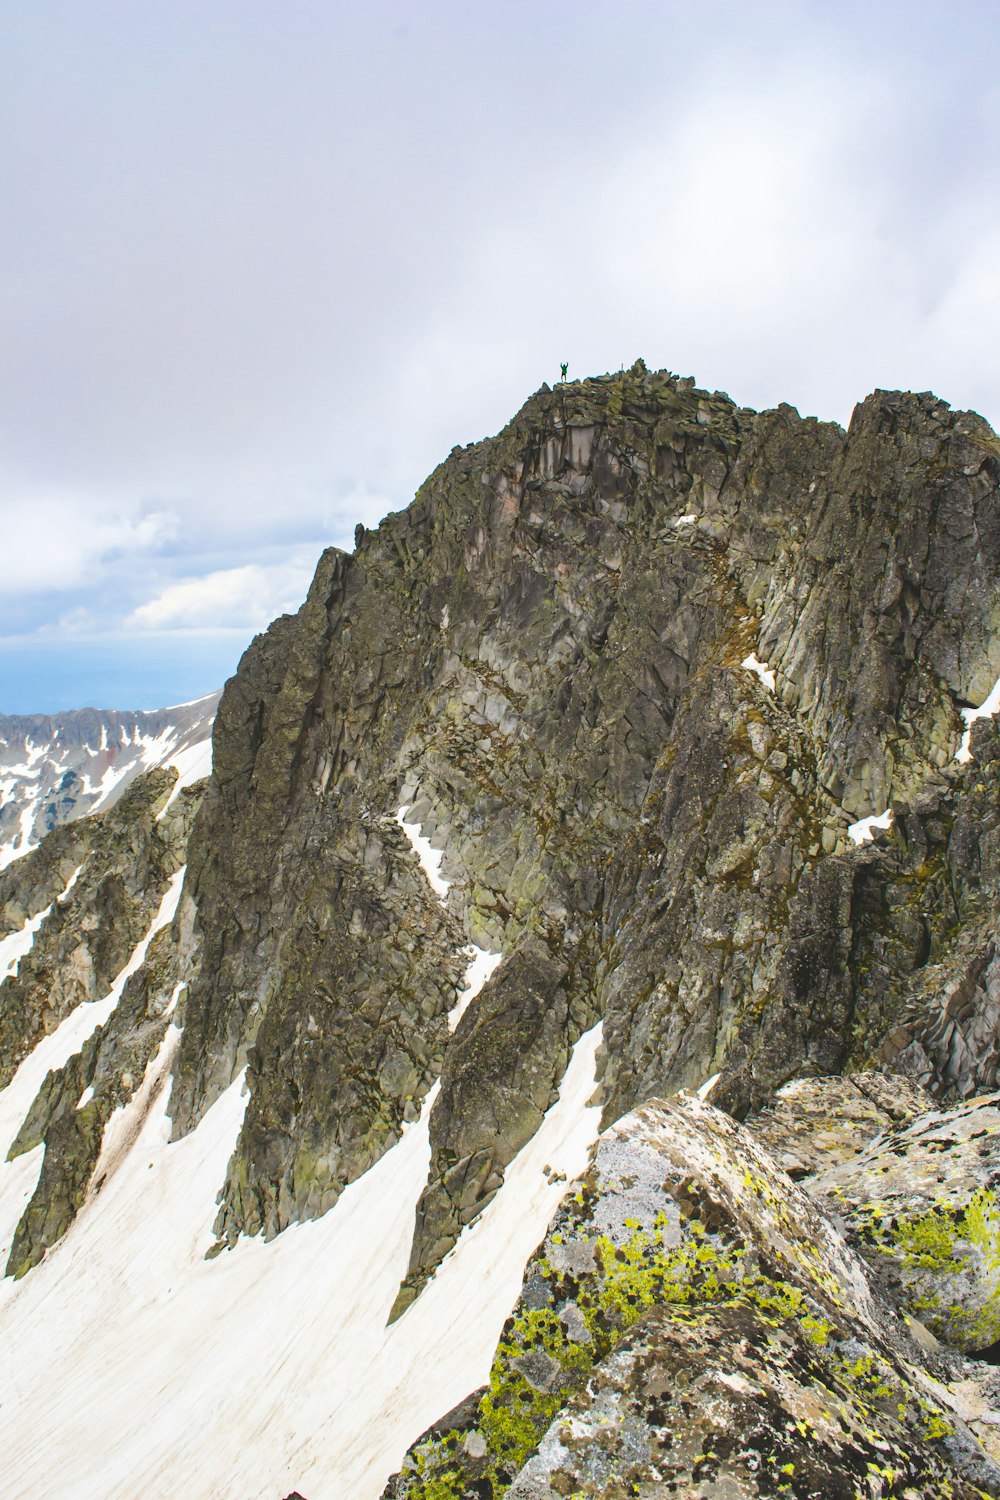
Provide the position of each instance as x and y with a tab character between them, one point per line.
264	262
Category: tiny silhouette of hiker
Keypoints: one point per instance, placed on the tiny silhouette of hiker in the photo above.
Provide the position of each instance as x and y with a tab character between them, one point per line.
563	368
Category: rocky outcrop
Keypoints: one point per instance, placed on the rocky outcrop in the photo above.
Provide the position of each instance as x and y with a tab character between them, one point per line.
815	1124
84	940
123	861
919	1203
692	1323
75	1103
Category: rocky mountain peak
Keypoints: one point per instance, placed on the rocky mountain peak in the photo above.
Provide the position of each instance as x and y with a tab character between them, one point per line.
604	856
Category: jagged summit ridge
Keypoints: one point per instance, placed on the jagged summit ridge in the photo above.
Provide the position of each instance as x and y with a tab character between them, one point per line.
542	657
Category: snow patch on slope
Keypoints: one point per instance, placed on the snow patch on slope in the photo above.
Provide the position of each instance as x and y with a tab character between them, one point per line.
479	971
18	1178
14	947
21	842
17	944
290	1378
191	764
429	857
482	962
109	783
986	710
861	831
761	668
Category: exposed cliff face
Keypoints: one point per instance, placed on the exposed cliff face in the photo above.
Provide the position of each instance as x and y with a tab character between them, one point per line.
635	665
542	658
119	872
110	873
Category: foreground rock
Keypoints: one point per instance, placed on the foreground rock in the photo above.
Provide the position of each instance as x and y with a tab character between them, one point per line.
919	1203
693	1324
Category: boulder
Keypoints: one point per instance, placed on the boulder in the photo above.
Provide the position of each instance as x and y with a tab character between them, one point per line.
919	1203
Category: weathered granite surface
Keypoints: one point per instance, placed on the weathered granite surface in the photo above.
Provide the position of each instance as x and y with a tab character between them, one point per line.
693	1324
919	1203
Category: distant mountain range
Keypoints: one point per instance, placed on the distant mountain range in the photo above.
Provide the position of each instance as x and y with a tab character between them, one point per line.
56	767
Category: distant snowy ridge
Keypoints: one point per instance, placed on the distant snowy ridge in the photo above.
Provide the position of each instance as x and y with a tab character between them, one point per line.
56	767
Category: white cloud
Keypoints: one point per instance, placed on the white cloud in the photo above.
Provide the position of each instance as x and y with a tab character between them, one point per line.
272	320
54	543
250	596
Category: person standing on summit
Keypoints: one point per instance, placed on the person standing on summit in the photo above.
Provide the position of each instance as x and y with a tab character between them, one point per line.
563	367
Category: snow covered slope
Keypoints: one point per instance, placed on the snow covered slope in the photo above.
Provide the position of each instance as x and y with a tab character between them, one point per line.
270	1366
54	767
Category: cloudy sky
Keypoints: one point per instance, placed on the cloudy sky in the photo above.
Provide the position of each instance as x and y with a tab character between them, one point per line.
264	262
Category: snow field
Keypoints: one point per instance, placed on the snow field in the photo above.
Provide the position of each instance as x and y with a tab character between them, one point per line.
130	1365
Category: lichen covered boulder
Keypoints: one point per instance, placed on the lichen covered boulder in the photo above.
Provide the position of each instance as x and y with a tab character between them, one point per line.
813	1124
692	1324
920	1205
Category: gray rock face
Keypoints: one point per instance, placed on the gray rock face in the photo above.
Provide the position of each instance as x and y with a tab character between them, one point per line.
542	657
545	659
814	1124
919	1202
125	859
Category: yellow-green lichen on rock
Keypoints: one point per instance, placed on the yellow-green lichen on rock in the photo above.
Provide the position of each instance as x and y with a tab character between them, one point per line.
920	1205
692	1324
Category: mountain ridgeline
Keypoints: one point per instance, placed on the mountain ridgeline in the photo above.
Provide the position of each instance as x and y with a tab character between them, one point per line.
639	667
541	658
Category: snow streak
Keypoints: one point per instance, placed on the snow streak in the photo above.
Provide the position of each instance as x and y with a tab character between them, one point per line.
861	831
986	710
